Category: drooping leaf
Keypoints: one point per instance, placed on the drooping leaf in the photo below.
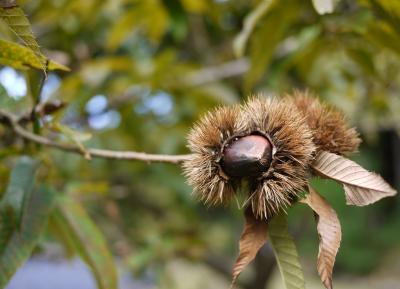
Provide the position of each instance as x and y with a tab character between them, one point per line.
88	241
21	57
361	186
240	41
16	20
329	233
21	243
324	6
253	237
19	188
286	253
58	232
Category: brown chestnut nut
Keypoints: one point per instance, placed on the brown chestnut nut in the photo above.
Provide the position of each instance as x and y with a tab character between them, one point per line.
247	156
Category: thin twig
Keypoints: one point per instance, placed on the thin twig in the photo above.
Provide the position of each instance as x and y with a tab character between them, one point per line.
218	72
203	76
12	120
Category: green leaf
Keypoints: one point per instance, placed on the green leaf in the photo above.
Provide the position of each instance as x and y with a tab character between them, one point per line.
363	59
79	231
324	6
21	57
17	21
303	56
21	243
19	188
7	226
140	17
240	41
59	232
387	11
286	253
382	34
265	39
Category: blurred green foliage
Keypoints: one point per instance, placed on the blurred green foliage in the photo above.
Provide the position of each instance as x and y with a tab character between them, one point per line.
142	72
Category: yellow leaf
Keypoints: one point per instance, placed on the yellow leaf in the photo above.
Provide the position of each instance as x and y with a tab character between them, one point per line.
18	23
21	57
195	6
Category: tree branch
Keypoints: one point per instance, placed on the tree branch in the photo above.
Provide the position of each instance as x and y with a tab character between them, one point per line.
12	121
219	72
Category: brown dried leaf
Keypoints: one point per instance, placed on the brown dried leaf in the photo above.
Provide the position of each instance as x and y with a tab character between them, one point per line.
329	233
361	186
253	237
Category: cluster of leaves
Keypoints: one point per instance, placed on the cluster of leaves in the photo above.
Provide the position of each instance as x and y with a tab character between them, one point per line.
361	188
26	208
143	55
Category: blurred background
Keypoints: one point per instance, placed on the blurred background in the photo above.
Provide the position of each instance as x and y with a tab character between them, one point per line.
142	72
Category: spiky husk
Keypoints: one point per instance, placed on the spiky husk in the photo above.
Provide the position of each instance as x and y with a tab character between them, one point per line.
294	151
205	140
280	121
330	129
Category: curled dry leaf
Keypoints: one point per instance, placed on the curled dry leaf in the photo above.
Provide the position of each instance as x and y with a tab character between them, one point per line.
329	233
361	186
253	237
